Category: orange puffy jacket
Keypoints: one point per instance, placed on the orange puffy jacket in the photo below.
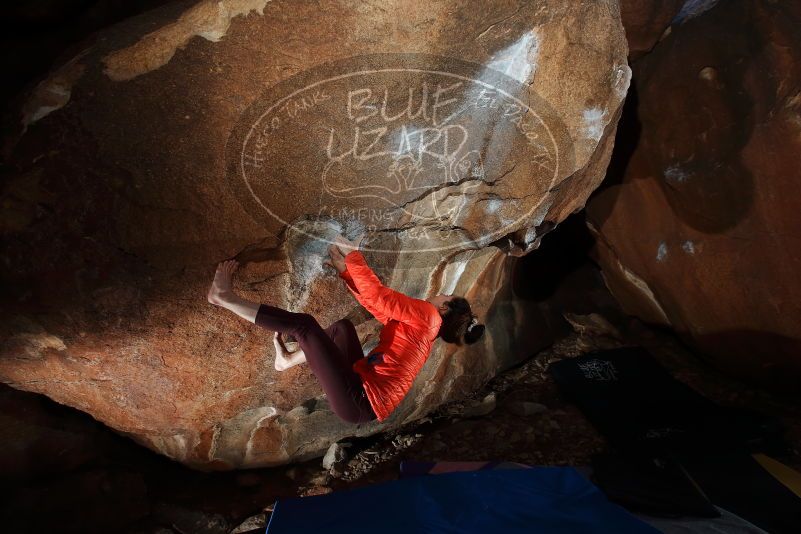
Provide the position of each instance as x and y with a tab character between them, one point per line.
410	328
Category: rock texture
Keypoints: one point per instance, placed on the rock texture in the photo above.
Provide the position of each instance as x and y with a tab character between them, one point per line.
159	156
41	34
703	234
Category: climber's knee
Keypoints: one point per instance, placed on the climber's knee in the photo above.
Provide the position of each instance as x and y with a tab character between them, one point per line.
342	325
303	323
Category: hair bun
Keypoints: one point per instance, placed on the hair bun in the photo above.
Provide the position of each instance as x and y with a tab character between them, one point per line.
474	331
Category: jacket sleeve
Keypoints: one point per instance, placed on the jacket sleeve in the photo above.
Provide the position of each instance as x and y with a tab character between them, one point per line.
381	300
382	318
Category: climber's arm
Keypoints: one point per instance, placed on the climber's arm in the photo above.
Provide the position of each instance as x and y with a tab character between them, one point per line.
381	317
379	299
337	261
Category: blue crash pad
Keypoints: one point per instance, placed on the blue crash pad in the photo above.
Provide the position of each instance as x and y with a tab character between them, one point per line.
542	500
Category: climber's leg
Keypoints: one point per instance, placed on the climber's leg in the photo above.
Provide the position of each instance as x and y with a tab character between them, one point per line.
344	335
222	294
342	386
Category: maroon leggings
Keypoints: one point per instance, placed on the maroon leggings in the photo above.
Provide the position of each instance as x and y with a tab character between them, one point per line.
331	353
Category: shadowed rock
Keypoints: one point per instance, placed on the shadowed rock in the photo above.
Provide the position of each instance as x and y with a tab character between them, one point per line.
703	233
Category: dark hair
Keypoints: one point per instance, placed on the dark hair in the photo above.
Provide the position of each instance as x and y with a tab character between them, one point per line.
459	325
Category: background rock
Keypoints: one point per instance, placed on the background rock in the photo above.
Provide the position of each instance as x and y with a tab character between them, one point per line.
256	522
703	234
118	204
526	409
336	454
481	408
186	520
645	21
592	323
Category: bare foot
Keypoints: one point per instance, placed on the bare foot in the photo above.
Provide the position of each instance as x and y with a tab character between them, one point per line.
284	358
281	361
221	286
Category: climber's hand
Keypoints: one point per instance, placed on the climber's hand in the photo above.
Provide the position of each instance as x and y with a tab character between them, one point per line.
336	259
346	246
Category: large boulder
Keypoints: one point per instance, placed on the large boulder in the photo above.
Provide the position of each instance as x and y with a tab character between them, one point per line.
454	137
703	233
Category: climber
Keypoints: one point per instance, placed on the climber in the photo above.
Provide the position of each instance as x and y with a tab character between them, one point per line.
359	388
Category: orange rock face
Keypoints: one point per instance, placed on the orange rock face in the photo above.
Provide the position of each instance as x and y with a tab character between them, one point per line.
452	136
704	234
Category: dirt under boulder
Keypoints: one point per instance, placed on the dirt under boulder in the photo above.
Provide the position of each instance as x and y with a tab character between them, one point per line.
702	233
453	137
